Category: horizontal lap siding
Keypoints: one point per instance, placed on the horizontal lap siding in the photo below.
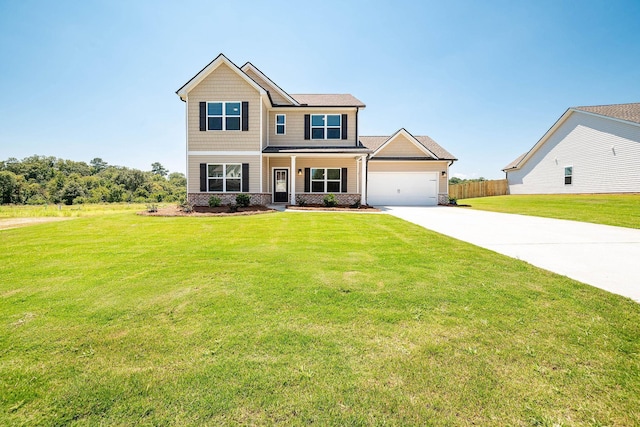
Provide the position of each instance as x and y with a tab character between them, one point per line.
417	166
223	84
401	147
302	163
193	169
275	96
604	154
295	129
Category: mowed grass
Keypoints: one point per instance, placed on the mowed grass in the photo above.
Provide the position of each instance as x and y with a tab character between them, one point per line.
621	210
296	319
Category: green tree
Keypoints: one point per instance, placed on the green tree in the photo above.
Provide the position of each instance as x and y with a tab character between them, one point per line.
158	169
98	165
10	188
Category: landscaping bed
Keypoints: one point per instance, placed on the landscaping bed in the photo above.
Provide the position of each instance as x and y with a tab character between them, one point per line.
319	206
206	211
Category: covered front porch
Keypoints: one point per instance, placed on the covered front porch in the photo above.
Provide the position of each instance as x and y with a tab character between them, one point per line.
295	176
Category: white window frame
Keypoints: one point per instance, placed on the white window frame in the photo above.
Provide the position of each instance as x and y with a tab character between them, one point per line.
325	180
283	124
224	116
224	177
326	126
570	176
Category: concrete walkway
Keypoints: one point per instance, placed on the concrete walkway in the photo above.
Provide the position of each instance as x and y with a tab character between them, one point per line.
599	255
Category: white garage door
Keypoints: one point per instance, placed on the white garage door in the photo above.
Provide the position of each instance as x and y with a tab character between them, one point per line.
402	188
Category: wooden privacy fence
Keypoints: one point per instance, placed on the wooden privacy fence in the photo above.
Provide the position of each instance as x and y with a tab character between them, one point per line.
469	190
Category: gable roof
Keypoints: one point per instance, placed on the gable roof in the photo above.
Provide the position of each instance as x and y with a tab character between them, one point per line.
328	100
514	163
423	142
211	67
629	113
250	67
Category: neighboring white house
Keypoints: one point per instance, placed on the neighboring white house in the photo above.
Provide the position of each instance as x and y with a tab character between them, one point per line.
592	149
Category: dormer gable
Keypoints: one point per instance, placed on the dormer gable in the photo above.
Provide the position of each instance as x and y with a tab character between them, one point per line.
403	144
277	95
210	68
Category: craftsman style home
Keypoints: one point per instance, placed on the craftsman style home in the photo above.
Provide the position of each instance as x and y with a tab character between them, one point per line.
592	149
245	134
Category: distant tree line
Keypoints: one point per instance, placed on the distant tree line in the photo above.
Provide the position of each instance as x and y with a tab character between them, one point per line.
42	179
456	180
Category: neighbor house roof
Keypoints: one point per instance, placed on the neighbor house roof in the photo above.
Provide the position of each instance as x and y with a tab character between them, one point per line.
514	163
628	112
328	100
375	142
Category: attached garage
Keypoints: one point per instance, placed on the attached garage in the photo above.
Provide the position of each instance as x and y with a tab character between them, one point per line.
403	188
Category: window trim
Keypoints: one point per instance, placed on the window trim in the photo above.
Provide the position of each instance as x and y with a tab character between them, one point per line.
283	124
570	176
325	127
224	178
325	180
223	116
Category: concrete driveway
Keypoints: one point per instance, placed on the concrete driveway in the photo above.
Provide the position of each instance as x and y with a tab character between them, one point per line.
599	255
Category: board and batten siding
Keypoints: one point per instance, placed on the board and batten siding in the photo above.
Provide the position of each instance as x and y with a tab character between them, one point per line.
295	128
412	166
223	84
193	169
604	155
401	147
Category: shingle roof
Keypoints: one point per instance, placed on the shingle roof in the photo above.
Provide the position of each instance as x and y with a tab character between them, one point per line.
328	100
629	112
375	142
514	163
309	149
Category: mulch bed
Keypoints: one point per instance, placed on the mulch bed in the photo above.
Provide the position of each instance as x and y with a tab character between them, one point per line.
207	211
320	207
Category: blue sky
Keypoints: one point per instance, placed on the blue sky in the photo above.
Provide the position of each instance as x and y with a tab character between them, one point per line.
485	79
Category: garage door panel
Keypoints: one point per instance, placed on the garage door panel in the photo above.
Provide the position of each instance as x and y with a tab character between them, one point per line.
402	188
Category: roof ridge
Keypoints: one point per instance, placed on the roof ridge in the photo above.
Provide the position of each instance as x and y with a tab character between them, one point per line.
608	105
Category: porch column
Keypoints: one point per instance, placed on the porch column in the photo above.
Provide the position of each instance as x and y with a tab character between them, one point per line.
363	177
292	178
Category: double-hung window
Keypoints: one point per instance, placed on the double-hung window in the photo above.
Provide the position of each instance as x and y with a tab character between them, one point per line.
223	115
568	175
281	122
224	177
326	126
326	180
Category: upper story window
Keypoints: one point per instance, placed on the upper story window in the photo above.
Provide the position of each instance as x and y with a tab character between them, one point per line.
281	122
568	175
223	115
224	177
326	126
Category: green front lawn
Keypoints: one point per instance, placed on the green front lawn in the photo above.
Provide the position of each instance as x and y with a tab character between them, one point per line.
622	210
300	318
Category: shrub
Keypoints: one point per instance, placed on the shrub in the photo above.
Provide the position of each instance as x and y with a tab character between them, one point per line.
243	200
186	206
453	201
214	201
301	201
233	207
330	200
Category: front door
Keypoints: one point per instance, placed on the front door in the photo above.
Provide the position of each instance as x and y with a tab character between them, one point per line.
280	185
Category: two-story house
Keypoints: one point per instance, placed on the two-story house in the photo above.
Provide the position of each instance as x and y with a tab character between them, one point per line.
245	134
